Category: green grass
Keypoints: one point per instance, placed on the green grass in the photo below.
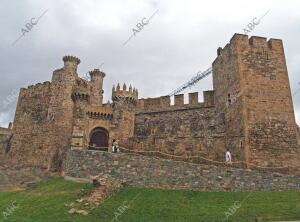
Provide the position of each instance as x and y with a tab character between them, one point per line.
47	203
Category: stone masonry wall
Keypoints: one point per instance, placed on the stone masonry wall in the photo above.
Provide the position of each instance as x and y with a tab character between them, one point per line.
268	109
252	89
5	136
142	171
249	111
31	138
228	102
185	131
43	122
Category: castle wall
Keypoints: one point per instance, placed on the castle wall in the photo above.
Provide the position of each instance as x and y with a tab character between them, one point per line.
182	129
80	131
268	108
228	101
116	118
93	117
124	108
32	139
62	109
123	121
142	171
164	102
5	135
249	111
252	89
118	128
43	121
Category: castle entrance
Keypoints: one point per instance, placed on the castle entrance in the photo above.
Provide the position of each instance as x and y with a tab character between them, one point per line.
99	139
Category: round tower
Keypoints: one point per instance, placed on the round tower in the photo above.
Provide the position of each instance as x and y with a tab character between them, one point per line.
121	97
96	87
71	63
124	104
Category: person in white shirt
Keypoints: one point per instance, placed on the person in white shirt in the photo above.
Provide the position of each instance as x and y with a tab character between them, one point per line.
228	157
114	146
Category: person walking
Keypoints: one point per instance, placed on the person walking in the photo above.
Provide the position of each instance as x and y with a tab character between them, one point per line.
228	157
114	144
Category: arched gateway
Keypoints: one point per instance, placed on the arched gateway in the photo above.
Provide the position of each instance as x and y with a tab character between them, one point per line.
99	139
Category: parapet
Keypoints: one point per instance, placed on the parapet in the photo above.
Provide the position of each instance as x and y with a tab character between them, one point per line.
36	91
37	86
240	40
193	98
103	112
179	100
208	98
96	73
164	102
80	96
118	93
154	103
72	59
71	62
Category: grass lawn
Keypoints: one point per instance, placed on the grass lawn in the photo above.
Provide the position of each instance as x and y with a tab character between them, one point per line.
47	203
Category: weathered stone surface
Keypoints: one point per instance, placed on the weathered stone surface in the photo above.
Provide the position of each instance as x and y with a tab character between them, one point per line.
19	176
161	173
185	132
104	187
5	137
249	111
252	88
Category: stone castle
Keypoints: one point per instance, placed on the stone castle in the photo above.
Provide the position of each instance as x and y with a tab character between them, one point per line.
249	111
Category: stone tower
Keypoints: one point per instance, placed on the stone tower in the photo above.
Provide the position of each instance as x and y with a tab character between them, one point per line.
124	105
96	84
44	119
252	91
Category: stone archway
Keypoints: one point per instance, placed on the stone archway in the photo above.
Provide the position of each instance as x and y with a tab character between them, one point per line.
99	139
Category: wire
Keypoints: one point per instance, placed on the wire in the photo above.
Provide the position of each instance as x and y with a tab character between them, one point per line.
200	75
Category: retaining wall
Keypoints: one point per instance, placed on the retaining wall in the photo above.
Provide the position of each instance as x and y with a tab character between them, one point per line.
144	171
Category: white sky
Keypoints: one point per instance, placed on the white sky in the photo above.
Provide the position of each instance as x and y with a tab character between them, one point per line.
181	39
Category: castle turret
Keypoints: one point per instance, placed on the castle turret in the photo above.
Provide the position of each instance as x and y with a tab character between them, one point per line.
71	63
61	106
124	104
96	87
68	73
121	96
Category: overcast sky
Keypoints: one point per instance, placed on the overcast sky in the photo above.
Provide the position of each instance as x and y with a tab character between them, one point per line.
180	39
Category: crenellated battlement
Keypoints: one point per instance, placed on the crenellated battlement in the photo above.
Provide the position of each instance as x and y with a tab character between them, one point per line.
96	73
251	86
80	96
240	40
72	59
104	112
58	70
71	63
130	93
249	111
164	102
36	86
